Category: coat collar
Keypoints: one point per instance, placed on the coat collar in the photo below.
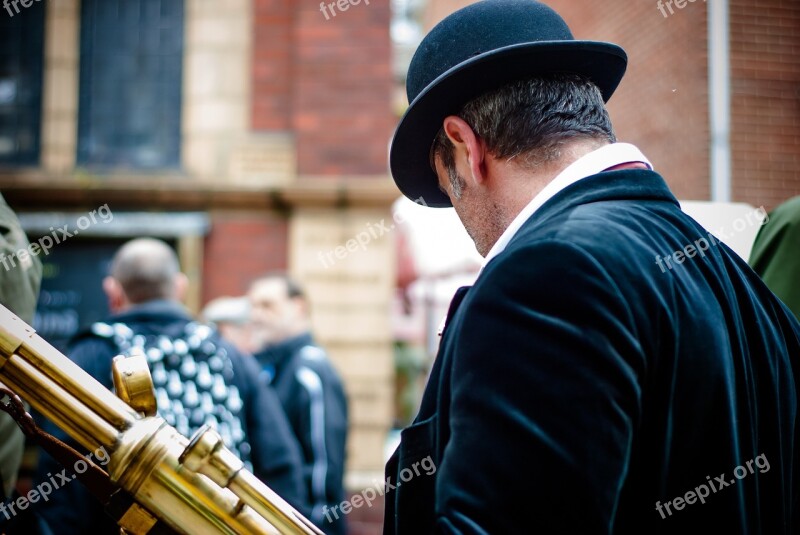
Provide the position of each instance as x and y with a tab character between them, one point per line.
156	310
278	354
626	184
161	314
623	185
605	158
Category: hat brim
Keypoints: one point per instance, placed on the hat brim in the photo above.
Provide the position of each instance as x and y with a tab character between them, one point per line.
603	63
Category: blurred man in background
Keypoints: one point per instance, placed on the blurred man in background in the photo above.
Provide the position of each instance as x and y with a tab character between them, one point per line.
309	389
199	379
231	317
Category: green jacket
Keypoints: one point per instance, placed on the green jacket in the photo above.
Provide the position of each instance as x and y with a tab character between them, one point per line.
19	291
776	253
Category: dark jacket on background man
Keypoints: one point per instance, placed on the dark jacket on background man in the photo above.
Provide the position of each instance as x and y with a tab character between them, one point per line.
578	386
314	400
264	437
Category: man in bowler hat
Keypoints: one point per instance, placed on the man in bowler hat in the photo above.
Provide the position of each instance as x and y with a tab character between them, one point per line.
578	388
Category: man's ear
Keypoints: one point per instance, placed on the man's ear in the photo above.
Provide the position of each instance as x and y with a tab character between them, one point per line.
299	306
115	294
467	145
302	313
181	287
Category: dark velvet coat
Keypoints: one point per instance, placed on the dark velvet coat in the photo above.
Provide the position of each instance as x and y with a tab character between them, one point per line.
580	384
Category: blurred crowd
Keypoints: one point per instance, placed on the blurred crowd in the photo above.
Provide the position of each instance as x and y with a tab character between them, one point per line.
248	367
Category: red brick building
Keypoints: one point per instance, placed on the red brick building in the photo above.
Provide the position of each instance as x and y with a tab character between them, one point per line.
662	104
250	134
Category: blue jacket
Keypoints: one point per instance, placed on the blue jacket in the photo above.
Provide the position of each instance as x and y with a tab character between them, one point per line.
315	402
275	453
583	388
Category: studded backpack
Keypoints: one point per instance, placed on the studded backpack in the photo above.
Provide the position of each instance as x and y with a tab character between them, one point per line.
192	375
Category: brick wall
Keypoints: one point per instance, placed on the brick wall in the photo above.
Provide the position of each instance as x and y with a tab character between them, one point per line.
240	247
662	103
765	98
273	27
328	80
324	81
342	97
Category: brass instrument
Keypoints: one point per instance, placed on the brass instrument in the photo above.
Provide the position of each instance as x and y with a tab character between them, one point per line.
193	486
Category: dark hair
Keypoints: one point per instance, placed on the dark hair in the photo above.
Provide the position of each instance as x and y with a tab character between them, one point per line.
531	119
293	288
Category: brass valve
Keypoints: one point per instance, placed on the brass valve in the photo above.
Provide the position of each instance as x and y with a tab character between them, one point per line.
133	383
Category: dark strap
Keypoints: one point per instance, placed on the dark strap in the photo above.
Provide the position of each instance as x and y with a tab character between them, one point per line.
116	501
94	478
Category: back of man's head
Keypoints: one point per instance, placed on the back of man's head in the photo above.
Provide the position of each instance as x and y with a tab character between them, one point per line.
531	121
146	269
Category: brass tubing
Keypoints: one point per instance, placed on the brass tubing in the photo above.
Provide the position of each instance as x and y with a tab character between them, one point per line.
48	360
17	337
66	411
146	455
268	504
206	454
147	464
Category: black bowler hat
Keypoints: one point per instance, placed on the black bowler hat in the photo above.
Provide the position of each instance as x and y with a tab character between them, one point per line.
476	49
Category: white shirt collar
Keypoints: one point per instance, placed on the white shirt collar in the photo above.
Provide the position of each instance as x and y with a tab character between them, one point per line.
590	164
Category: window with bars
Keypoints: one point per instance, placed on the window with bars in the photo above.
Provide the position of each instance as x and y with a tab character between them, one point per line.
131	58
21	59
